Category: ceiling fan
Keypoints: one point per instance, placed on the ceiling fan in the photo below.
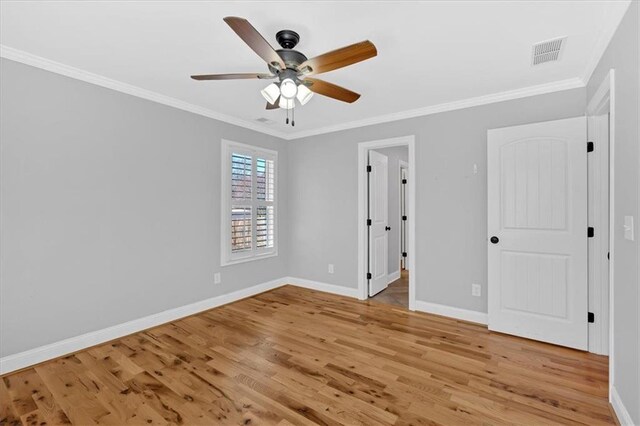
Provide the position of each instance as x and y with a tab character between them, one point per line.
292	69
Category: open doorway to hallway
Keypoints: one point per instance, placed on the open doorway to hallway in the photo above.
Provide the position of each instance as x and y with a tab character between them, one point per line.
387	208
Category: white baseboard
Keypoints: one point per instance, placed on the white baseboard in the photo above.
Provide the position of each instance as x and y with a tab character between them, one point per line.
328	288
450	311
623	415
63	347
393	276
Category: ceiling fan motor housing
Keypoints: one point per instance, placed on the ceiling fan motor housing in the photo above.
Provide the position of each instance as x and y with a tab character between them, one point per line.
287	38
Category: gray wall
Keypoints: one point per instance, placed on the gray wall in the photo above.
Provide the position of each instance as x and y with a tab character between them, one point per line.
623	55
451	205
394	154
110	208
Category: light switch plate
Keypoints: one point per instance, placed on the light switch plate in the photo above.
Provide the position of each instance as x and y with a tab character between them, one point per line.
331	268
217	279
628	228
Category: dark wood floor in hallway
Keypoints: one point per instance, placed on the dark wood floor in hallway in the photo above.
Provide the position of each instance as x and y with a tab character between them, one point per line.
295	356
397	293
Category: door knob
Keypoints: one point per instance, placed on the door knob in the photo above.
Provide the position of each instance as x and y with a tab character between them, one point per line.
387	228
494	239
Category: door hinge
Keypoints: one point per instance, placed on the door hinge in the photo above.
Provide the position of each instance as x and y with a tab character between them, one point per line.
608	253
368	169
404	218
404	254
368	222
368	275
590	232
590	147
404	181
591	318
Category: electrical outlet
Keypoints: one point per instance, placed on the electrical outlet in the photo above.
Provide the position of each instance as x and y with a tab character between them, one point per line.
217	279
331	268
476	290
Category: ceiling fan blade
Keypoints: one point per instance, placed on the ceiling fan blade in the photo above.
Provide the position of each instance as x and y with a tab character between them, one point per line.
339	58
274	105
331	90
252	37
241	76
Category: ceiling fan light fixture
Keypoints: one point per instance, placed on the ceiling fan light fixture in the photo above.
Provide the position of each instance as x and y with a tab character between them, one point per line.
288	88
271	93
304	94
286	103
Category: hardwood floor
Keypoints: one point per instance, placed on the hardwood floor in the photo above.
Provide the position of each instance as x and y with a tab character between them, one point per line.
296	356
397	293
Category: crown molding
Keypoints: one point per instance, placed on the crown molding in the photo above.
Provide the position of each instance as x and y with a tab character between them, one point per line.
88	77
541	89
76	73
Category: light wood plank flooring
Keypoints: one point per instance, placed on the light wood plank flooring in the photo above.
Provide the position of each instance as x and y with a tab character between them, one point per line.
296	356
397	293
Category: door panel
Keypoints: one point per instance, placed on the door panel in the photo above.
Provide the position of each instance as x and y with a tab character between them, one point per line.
378	213
537	208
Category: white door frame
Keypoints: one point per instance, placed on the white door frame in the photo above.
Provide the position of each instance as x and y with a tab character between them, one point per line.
363	149
603	101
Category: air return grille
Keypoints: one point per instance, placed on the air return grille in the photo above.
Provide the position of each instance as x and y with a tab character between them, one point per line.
547	51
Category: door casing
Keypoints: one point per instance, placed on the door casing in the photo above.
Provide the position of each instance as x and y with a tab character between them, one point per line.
363	150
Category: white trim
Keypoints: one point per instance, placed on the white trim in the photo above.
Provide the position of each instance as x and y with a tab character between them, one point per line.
88	77
393	276
451	312
541	89
78	74
621	411
363	149
603	97
320	286
63	347
40	354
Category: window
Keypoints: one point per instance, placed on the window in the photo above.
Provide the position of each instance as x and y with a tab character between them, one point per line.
249	206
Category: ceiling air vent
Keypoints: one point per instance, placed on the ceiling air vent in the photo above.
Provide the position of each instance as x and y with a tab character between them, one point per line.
547	51
264	120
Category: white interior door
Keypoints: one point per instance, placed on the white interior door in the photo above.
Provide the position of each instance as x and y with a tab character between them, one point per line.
537	223
403	216
379	216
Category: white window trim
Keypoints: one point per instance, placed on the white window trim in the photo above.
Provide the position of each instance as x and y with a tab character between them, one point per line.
226	257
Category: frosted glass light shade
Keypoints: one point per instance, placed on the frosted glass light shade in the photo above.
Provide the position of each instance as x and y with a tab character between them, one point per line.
288	88
286	103
304	94
271	93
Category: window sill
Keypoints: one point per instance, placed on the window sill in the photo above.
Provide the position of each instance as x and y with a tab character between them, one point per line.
248	259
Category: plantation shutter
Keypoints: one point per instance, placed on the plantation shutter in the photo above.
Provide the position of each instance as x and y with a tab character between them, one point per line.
265	212
241	200
249	177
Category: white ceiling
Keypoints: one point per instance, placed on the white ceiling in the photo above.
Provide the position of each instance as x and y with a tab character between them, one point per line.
429	53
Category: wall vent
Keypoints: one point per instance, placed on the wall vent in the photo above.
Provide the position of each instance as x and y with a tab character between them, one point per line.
264	120
547	51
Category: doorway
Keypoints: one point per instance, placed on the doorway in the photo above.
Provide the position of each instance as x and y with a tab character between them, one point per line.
386	203
549	229
388	179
